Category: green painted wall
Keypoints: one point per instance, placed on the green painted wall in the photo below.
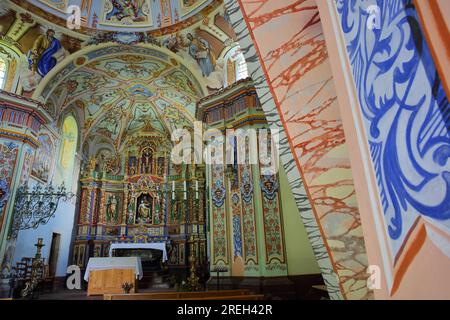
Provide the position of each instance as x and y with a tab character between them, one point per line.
300	256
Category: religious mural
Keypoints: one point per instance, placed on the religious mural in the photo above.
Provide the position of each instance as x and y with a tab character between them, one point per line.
44	158
126	12
196	49
8	154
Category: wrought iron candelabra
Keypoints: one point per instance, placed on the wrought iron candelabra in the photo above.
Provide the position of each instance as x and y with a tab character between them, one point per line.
37	206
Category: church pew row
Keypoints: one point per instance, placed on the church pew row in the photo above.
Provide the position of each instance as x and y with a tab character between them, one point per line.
176	295
241	297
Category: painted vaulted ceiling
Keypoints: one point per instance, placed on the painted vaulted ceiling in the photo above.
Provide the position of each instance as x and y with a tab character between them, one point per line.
125	94
121	15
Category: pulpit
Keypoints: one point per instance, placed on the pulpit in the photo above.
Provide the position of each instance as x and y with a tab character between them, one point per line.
108	275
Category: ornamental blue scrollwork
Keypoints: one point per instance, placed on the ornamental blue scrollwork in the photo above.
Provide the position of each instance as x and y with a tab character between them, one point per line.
406	113
4	194
269	186
246	187
218	194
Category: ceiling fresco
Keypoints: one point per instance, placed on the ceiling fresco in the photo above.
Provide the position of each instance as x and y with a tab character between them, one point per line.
134	66
45	44
125	94
122	15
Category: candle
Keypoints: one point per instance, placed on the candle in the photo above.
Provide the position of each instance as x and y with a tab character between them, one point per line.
185	190
196	189
173	185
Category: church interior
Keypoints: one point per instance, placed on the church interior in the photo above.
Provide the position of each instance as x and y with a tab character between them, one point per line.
226	149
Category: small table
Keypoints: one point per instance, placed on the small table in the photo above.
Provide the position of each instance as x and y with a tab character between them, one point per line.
107	275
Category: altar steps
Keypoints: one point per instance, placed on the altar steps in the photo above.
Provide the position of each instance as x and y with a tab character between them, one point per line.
154	280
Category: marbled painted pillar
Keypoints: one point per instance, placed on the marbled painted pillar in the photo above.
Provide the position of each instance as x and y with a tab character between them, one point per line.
246	214
288	61
404	114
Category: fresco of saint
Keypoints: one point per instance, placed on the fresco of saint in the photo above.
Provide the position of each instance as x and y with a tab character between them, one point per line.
200	50
127	9
41	57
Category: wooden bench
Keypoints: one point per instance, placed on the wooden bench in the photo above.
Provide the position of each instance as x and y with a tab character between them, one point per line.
177	295
240	297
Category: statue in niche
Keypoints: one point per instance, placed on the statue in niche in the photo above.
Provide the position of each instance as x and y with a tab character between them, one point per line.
131	166
144	211
111	209
92	164
130	210
157	216
146	162
112	165
160	167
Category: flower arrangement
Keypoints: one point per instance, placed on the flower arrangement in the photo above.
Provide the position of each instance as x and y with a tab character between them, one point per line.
127	287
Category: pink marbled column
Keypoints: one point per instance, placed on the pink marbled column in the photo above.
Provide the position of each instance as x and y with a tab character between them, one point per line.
287	35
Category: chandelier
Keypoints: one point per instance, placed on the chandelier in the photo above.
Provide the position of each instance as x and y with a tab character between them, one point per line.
37	206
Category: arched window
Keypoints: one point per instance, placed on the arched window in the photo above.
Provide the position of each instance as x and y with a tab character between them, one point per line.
68	149
236	66
242	71
3	70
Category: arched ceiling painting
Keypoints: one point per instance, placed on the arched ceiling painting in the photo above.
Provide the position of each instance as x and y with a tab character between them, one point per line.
122	15
202	40
119	95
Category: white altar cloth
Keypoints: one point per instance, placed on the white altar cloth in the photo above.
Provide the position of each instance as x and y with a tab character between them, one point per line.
114	263
157	245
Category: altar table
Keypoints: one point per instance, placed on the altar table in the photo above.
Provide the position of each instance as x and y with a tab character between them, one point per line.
107	275
158	246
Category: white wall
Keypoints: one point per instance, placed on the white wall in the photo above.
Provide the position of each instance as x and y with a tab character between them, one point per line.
61	223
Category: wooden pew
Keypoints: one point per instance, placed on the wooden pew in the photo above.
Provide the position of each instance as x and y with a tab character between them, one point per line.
176	295
240	297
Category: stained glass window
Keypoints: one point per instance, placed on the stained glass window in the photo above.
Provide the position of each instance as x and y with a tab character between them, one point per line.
69	147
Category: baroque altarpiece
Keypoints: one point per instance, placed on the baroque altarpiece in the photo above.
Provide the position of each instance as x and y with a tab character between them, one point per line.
140	196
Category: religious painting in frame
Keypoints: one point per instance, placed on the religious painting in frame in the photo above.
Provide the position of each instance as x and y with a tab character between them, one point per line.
60	5
127	13
43	159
